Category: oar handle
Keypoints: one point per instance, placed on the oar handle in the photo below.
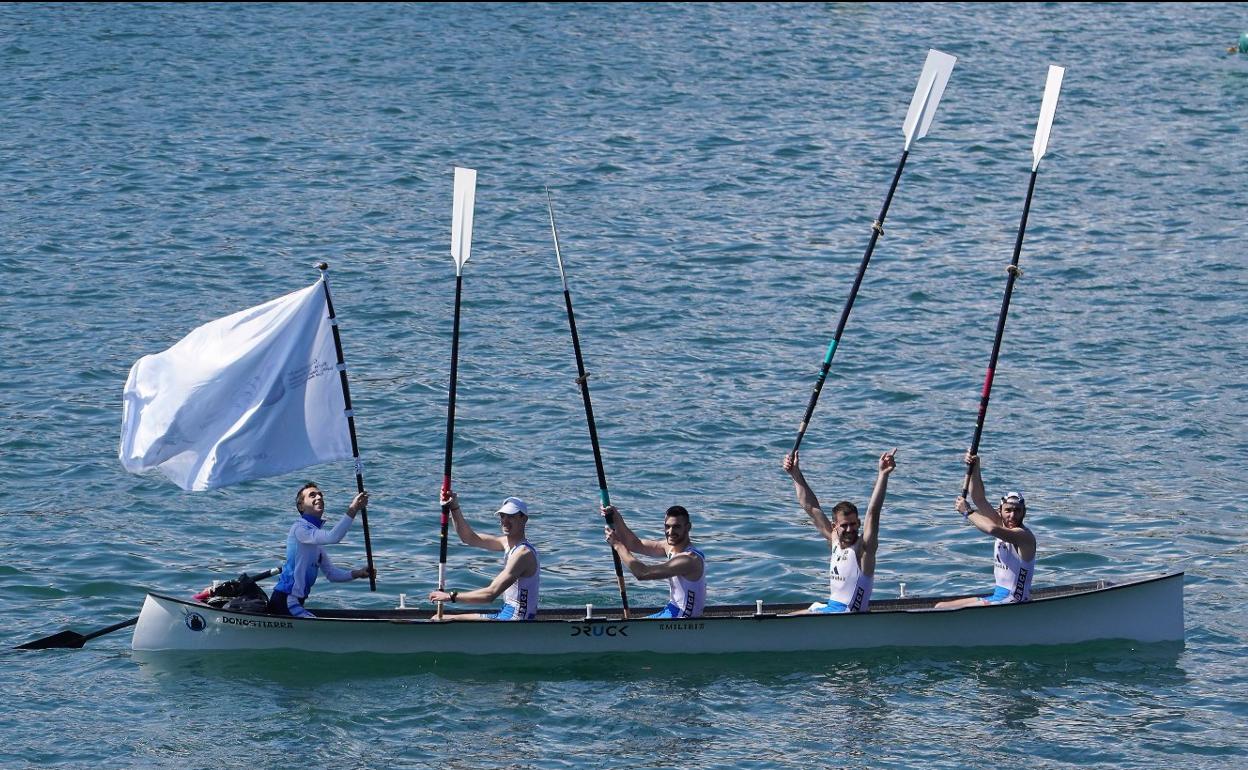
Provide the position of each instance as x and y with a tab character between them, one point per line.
615	557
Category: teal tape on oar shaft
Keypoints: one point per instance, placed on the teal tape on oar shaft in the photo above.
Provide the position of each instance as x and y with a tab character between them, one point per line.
605	497
831	351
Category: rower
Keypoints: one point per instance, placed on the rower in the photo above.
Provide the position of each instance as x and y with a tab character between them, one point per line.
852	566
684	570
1014	547
519	581
305	555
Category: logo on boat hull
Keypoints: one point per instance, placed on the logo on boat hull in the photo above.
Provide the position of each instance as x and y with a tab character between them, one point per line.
600	630
229	620
681	626
194	620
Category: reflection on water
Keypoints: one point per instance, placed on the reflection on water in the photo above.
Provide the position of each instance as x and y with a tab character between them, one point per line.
722	701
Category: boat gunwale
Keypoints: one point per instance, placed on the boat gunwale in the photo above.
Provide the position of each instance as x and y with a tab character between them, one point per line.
716	613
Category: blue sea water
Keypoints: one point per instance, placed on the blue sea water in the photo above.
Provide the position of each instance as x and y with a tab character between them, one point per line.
715	170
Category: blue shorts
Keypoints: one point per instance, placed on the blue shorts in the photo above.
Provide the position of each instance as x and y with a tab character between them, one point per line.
999	596
670	611
508	612
830	608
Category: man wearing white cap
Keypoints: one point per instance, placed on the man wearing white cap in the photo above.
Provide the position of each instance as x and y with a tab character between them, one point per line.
1014	552
520	579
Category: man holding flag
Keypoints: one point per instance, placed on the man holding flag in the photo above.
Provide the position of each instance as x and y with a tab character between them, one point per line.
305	556
259	393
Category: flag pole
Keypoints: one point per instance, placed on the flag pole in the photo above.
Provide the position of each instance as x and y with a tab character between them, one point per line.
346	399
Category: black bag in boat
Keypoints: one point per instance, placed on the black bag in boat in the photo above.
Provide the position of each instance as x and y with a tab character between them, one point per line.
239	595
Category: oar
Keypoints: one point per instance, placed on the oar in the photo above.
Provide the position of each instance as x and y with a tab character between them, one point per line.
1047	109
73	640
582	379
927	95
461	250
346	399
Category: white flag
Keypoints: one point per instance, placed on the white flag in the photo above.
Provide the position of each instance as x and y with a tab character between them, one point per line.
250	395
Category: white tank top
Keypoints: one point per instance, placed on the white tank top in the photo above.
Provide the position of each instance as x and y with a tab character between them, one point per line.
689	595
522	595
1011	572
847	583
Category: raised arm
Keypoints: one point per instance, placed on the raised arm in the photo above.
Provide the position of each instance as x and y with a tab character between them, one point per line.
990	524
807	500
310	536
978	496
630	541
871	527
467	535
985	517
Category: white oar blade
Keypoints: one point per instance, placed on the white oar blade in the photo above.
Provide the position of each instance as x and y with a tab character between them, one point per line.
936	71
461	219
1047	109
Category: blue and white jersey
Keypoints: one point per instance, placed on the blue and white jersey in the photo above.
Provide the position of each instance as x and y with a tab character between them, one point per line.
522	595
847	585
305	556
688	596
1013	575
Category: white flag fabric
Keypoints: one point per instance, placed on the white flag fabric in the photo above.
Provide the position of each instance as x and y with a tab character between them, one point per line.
250	395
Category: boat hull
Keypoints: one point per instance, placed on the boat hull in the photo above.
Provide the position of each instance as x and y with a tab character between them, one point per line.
1148	610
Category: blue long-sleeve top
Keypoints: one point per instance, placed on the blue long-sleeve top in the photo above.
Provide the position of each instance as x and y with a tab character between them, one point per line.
305	555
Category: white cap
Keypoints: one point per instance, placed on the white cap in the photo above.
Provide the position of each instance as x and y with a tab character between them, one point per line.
1015	498
514	505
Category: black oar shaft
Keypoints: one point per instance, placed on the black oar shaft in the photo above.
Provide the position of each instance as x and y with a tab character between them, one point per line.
605	496
1000	333
450	432
355	444
582	379
110	629
877	229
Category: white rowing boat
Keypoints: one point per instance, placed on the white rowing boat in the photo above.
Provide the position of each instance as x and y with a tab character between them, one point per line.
1144	610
